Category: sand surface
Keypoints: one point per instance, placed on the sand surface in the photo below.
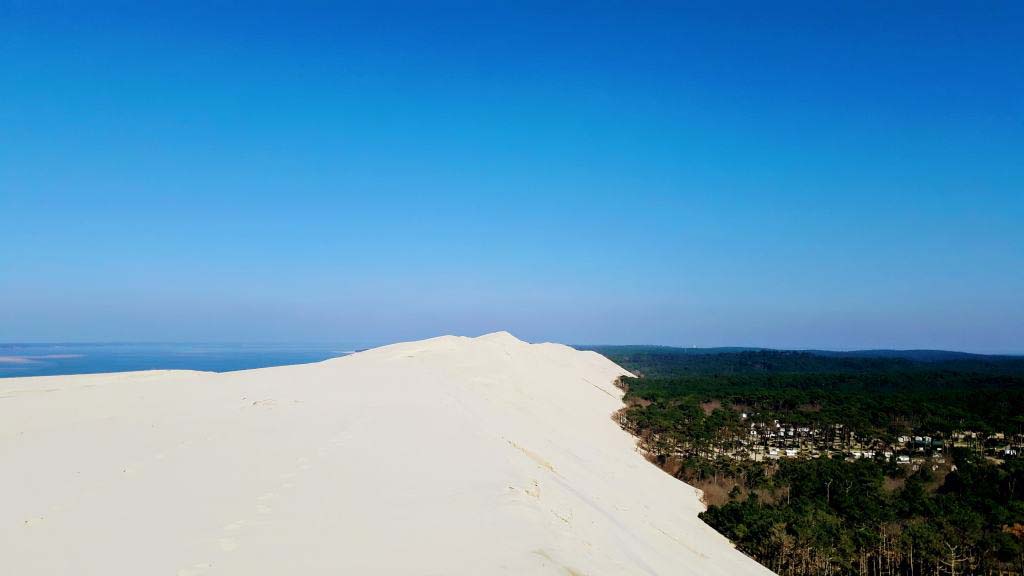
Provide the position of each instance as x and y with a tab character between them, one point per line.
445	456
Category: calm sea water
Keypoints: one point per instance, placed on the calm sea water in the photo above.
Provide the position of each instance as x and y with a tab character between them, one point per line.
52	359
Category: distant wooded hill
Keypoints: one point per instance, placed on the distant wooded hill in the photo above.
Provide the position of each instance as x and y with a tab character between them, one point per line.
666	360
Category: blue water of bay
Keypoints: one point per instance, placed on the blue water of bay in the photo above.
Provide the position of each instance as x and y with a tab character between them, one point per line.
53	359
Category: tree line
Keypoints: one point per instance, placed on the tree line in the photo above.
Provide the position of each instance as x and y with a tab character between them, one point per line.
835	515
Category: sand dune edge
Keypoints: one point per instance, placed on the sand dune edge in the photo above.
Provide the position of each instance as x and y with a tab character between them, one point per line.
451	455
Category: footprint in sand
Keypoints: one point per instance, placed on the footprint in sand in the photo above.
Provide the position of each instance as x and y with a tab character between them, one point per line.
195	569
533	489
228	544
262	506
234	526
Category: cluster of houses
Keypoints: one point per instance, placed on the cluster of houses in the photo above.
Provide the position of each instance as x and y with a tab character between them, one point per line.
775	439
997	445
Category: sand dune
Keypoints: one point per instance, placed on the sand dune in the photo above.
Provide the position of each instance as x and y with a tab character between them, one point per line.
445	456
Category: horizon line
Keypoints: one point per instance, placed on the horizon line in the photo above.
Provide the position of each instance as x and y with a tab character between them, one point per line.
375	343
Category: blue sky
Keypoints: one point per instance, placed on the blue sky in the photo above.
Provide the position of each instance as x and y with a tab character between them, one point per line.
797	175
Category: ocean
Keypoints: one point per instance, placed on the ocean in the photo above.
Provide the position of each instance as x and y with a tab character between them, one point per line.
54	359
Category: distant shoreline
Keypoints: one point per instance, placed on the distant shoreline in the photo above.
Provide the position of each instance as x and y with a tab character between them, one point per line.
28	360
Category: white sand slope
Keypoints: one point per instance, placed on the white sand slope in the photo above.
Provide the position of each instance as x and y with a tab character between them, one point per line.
446	456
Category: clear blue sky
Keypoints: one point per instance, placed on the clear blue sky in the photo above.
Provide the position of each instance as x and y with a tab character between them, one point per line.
800	175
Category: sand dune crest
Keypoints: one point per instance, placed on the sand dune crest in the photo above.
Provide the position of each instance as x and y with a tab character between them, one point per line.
445	456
